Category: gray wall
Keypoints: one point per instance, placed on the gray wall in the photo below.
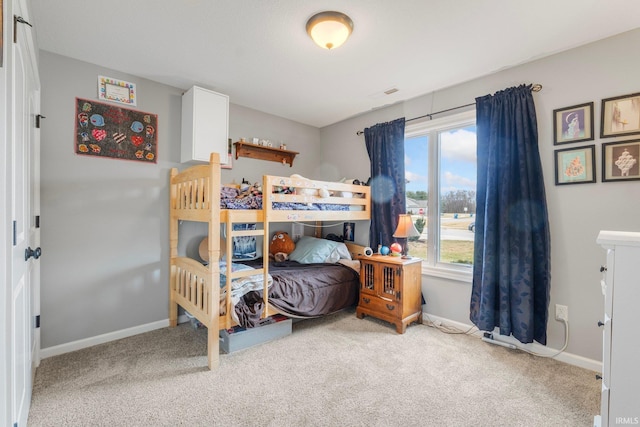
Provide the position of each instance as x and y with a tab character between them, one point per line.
603	69
105	222
105	226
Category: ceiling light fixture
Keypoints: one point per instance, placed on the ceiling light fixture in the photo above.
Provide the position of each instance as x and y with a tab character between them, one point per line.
329	29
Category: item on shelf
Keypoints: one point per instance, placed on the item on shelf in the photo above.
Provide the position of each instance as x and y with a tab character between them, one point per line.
384	250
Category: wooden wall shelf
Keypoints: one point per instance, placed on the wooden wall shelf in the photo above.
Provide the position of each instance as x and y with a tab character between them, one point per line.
247	149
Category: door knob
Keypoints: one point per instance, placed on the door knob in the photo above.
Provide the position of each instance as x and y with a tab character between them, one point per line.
35	253
600	323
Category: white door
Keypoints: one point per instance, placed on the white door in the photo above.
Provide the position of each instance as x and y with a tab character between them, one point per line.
24	202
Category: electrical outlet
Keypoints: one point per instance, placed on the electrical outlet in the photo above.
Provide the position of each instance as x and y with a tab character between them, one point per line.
562	312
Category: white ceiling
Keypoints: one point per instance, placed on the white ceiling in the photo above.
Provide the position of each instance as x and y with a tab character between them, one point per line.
258	52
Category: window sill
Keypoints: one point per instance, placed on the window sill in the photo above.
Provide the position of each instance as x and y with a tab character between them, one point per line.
459	275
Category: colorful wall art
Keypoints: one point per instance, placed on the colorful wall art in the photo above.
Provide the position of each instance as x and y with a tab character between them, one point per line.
105	130
110	89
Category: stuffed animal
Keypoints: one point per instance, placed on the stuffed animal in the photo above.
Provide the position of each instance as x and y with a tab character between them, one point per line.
246	190
353	181
321	192
356	181
281	246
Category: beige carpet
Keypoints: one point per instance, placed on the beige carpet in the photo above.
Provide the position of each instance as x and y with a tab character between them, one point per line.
336	371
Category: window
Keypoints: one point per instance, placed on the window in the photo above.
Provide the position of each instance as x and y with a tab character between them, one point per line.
440	171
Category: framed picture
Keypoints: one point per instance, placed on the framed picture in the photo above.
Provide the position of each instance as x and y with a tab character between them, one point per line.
116	90
347	231
620	116
229	164
573	124
621	161
575	165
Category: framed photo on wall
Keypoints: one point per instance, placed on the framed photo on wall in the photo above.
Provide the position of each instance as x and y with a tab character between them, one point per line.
348	230
621	161
110	89
573	124
620	116
575	165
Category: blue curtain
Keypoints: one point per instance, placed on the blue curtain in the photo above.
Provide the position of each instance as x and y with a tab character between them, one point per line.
385	146
511	277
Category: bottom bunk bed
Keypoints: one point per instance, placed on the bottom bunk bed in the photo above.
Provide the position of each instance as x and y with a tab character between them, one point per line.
294	289
301	291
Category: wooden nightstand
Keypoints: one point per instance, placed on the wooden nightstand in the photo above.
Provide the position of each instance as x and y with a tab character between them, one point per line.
390	289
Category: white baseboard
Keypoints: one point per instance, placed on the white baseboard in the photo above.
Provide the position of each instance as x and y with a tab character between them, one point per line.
569	358
104	338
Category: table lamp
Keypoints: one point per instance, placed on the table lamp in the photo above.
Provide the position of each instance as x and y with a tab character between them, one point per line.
404	230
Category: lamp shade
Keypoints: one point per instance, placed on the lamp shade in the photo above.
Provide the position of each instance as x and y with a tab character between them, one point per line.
405	227
329	29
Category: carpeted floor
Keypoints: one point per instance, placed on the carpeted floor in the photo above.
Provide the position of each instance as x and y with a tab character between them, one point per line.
335	371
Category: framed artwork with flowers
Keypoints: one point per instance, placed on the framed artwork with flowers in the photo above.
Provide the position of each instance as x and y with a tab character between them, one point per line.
575	165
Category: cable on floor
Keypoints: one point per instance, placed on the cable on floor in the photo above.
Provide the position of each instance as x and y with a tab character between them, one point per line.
452	330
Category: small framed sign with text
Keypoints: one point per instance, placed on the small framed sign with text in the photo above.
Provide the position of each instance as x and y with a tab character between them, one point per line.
116	90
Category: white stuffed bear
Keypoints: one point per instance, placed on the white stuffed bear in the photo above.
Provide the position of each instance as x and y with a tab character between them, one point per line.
322	192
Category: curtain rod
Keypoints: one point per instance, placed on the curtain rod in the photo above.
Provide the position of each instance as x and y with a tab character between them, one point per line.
534	88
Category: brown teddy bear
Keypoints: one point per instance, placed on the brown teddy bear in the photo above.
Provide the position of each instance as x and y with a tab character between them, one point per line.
281	246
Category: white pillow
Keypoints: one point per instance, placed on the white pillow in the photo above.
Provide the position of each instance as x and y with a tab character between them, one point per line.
340	252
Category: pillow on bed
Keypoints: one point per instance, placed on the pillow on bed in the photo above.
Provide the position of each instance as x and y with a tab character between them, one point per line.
312	250
340	252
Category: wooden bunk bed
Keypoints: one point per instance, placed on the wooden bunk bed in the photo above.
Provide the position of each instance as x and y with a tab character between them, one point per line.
195	196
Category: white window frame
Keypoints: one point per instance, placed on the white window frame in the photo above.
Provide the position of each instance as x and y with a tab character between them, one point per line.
431	266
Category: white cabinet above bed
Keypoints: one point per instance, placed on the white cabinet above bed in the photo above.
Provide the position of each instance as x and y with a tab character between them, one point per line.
205	125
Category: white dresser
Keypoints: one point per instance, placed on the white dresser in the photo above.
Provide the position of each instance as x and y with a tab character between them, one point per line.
621	329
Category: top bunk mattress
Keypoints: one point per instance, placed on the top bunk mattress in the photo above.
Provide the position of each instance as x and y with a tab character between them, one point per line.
233	198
